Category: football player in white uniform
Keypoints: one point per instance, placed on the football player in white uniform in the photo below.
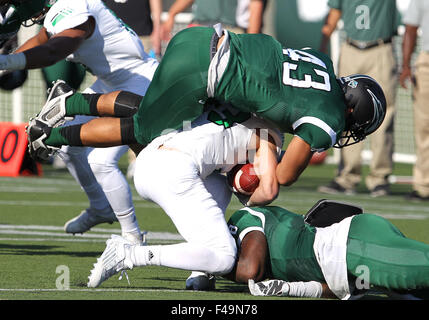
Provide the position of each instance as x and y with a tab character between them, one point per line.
85	31
182	173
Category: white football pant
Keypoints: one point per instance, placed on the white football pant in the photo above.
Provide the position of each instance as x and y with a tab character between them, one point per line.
196	207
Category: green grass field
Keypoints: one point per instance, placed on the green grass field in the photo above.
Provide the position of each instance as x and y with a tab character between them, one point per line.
34	250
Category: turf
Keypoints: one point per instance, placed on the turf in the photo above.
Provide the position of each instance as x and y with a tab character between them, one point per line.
34	251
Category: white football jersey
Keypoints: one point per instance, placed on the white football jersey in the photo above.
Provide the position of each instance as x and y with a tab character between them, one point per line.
111	52
215	142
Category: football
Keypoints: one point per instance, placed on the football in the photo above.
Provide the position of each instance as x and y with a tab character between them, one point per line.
318	158
243	178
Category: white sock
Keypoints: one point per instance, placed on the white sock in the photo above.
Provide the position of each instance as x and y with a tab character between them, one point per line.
128	222
183	256
118	192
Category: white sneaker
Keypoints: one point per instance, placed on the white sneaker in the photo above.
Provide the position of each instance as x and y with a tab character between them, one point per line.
113	260
53	112
89	218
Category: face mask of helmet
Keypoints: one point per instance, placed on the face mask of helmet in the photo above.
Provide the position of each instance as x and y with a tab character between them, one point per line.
31	12
366	99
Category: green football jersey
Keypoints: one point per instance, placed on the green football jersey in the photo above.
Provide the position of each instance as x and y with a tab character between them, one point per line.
290	241
295	89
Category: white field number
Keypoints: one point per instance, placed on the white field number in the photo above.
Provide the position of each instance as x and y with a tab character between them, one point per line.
297	55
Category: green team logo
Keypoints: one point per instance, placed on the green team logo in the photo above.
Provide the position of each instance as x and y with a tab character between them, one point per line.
61	15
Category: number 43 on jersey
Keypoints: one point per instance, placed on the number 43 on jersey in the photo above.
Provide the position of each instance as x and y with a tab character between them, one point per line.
308	82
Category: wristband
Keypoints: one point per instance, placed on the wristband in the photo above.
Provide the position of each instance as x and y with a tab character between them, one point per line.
12	62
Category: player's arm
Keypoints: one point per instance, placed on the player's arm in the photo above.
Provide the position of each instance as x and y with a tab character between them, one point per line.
252	258
156	11
329	27
265	164
408	46
177	7
294	161
256	10
41	51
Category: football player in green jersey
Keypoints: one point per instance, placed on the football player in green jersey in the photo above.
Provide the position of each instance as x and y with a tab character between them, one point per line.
296	90
350	255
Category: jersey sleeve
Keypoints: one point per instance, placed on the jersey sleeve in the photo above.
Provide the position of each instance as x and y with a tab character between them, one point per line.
244	221
413	15
316	133
66	15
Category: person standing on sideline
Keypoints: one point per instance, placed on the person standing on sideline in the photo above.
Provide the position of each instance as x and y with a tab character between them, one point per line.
238	16
417	17
370	26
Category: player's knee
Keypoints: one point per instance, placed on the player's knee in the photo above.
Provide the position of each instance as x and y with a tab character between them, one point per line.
127	104
101	169
225	264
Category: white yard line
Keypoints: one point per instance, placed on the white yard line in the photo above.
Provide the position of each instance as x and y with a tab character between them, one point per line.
48	232
86	290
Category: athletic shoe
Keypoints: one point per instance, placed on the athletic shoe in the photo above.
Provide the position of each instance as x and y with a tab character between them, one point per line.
335	188
113	260
53	112
37	132
201	281
89	218
380	191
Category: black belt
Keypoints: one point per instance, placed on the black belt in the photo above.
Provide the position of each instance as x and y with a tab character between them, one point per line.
364	45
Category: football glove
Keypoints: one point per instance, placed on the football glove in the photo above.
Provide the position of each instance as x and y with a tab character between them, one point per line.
310	289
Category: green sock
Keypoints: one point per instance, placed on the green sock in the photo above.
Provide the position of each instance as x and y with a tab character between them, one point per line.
69	136
55	139
82	104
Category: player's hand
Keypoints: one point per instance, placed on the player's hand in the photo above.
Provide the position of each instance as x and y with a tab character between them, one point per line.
268	288
404	76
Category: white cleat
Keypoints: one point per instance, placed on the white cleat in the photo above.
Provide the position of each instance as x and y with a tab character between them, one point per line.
112	261
53	112
89	218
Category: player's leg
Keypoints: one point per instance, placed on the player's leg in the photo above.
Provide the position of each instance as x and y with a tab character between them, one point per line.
177	188
77	164
377	251
99	210
104	165
217	186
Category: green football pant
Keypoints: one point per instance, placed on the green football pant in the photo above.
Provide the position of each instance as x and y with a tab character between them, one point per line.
178	87
392	261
